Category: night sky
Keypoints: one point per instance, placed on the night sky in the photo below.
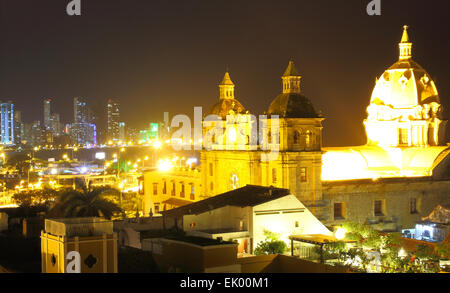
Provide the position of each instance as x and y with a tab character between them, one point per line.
166	55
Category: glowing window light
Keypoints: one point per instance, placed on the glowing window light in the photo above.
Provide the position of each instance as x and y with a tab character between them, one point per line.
54	171
232	135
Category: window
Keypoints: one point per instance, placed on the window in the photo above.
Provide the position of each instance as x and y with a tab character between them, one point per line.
296	137
303	174
182	190
211	186
141	187
241	225
156	208
296	224
164	191
274	175
308	138
155	188
269	137
192	225
339	210
403	136
192	191
173	188
211	169
413	206
378	208
234	181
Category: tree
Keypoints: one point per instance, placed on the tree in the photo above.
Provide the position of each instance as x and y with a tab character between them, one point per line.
271	245
35	197
85	201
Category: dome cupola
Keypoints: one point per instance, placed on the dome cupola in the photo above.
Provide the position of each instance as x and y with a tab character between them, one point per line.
404	109
291	103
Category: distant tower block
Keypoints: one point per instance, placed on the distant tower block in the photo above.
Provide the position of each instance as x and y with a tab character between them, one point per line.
93	238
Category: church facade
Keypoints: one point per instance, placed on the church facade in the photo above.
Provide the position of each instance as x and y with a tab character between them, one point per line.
401	174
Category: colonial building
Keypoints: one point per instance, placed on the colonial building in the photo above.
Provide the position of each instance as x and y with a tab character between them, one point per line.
401	174
403	171
170	189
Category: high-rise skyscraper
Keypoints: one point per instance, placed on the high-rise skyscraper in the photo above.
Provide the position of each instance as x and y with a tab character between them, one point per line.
47	113
113	120
55	125
122	132
7	123
80	110
83	131
18	127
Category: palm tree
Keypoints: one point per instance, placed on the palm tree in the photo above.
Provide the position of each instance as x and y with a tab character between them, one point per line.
85	202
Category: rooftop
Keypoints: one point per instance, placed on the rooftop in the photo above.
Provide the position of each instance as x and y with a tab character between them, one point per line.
250	195
200	241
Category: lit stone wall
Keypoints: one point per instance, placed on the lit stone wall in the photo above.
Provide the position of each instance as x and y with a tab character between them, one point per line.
359	196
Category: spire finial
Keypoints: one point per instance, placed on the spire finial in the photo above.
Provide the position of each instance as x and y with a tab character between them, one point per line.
405	45
291	79
226	87
405	37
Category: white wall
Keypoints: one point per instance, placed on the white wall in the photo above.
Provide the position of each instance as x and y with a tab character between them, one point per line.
283	222
227	217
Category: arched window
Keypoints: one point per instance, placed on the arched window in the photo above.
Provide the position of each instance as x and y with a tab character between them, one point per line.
308	138
234	181
274	175
296	137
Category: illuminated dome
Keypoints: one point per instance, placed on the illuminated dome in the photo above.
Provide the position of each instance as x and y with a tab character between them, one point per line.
227	104
404	85
404	108
292	104
223	107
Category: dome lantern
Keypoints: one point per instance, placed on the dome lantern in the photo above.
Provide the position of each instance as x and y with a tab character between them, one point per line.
226	87
405	45
291	79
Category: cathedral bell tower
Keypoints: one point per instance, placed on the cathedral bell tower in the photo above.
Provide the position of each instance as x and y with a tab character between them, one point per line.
299	142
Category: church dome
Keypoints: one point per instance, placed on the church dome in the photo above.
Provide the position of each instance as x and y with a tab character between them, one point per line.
227	104
291	103
223	107
405	84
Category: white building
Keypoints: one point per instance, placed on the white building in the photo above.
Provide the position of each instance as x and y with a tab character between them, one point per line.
245	214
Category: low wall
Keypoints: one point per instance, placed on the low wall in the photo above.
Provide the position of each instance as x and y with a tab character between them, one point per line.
284	264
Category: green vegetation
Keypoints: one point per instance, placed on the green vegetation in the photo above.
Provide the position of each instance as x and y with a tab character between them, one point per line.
271	245
360	256
85	201
39	197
